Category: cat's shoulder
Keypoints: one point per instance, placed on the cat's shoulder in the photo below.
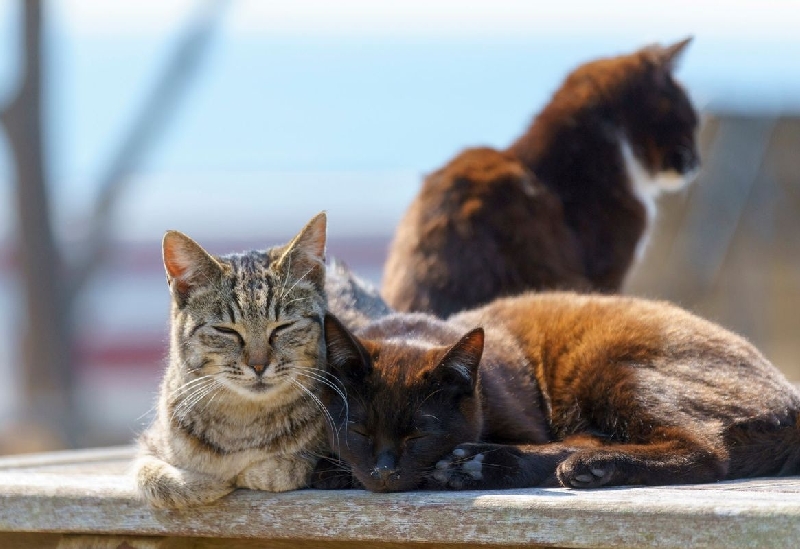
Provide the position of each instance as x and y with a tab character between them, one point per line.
478	172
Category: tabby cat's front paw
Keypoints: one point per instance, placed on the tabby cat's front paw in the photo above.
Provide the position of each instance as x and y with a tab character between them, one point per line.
167	487
276	474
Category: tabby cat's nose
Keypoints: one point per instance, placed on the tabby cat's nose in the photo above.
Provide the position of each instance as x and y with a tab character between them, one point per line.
259	359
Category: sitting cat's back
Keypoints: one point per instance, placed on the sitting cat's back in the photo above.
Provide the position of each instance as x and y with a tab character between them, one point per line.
472	220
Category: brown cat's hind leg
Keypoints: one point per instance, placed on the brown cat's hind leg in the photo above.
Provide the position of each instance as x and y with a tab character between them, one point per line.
673	457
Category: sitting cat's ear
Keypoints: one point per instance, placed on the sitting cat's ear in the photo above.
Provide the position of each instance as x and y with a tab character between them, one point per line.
459	367
188	265
671	55
304	256
346	356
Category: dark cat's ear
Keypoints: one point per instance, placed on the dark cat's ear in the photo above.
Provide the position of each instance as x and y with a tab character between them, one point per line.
304	256
669	56
346	356
188	265
459	367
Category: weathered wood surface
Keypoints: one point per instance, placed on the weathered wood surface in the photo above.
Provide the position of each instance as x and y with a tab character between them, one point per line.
73	499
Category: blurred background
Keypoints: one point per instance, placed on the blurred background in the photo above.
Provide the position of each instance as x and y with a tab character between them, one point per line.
236	121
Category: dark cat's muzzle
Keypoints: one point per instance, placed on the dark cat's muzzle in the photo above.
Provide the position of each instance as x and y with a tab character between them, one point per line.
385	469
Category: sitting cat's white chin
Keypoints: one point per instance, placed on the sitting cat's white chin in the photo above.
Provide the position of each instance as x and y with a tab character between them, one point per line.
672	180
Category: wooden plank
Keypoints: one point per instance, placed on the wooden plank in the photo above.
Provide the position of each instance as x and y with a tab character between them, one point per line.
83	493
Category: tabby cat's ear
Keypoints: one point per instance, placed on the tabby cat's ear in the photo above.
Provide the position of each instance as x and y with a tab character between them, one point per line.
346	356
671	55
458	370
188	265
304	256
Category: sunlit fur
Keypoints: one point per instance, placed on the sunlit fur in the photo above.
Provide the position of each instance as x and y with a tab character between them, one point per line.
237	406
557	389
568	205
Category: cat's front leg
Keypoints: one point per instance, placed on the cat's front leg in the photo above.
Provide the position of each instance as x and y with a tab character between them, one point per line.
485	466
168	487
277	474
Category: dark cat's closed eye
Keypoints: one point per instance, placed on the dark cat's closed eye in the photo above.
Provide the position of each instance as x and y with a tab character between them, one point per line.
561	388
358	430
417	437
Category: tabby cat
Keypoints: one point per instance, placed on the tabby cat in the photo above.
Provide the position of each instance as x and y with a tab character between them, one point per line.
557	389
237	405
567	206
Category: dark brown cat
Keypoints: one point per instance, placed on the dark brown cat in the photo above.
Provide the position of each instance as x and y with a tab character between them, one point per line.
581	391
567	206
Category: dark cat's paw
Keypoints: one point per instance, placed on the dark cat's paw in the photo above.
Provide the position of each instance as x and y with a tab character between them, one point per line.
477	466
332	474
587	470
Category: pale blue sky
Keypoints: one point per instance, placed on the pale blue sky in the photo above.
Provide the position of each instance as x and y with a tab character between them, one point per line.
363	86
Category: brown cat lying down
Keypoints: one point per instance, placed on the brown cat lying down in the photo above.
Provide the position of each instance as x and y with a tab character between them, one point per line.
559	388
567	206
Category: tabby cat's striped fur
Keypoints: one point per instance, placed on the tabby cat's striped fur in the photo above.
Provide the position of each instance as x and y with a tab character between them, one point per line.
237	406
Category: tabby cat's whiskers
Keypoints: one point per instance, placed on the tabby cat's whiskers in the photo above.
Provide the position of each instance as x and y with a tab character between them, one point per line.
319	405
216	428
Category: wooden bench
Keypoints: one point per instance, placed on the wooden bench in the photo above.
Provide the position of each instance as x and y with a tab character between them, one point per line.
86	499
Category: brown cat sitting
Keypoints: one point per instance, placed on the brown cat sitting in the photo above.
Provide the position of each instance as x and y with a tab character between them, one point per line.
581	391
567	206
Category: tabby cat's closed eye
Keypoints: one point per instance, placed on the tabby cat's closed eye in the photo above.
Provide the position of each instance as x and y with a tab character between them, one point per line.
238	404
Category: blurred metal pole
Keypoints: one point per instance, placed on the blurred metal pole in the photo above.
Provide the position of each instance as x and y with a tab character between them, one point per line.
47	373
158	109
49	285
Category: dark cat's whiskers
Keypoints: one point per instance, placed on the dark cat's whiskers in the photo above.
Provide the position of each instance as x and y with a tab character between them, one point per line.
341	466
426	399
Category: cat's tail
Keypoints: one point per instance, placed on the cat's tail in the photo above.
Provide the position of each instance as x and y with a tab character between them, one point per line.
167	487
765	447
